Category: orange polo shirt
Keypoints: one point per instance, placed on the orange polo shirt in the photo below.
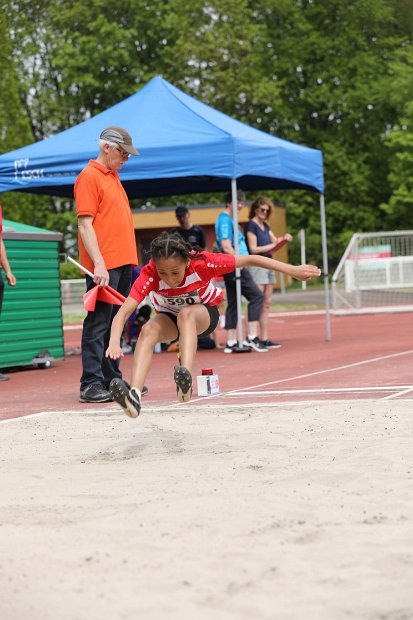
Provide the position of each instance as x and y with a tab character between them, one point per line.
99	194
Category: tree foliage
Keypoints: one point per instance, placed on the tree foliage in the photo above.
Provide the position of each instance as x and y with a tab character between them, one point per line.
329	74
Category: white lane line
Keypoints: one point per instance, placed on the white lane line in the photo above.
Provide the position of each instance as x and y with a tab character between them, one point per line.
274	315
25	417
41	413
389	388
327	370
401	393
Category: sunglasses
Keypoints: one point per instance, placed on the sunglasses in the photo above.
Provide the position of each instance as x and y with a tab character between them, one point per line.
122	152
261	210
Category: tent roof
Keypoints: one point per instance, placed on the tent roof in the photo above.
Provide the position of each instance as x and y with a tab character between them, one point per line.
185	145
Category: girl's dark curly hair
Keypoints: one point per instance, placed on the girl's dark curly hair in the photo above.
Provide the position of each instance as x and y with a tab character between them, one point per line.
168	245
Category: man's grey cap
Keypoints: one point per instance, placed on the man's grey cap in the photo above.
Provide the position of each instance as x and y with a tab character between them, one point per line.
119	136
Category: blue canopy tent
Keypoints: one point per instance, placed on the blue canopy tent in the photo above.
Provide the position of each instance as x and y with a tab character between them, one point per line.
186	147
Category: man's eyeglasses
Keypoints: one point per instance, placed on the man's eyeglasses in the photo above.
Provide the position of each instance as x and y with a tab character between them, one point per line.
122	151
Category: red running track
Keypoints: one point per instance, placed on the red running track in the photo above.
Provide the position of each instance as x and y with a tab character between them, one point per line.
370	356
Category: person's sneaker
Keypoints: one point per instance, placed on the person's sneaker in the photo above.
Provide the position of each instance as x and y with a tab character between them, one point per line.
4	377
229	348
183	380
269	344
127	398
95	393
255	344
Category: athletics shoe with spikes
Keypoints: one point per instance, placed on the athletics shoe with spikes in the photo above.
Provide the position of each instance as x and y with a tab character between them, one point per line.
183	380
127	398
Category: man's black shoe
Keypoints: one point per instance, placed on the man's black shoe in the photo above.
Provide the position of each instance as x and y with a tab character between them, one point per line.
95	393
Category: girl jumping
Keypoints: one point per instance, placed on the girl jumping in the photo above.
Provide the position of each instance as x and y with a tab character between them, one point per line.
178	281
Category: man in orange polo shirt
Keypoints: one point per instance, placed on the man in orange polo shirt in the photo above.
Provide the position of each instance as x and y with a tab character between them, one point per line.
107	248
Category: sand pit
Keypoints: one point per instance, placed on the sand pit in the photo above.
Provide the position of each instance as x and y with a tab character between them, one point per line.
292	512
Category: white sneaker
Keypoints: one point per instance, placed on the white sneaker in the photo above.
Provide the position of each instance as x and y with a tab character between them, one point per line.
229	348
255	344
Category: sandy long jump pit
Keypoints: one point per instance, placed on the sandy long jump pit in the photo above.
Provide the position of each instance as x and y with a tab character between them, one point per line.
284	512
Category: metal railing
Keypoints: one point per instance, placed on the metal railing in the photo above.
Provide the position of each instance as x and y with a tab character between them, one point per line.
375	274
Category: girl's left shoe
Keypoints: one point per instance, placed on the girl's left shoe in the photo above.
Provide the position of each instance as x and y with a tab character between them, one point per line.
127	398
183	380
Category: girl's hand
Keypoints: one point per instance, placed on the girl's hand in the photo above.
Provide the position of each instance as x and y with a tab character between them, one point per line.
114	351
306	272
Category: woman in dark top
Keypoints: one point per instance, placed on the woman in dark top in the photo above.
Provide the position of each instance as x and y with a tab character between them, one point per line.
261	240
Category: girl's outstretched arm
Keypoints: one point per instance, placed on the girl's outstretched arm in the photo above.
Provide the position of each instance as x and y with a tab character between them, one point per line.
300	272
114	350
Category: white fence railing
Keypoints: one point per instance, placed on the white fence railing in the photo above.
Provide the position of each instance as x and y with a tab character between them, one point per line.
375	273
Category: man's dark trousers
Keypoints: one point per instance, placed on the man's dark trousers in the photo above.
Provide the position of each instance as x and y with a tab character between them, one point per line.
96	332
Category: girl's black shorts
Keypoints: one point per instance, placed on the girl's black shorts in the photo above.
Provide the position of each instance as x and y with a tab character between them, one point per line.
213	320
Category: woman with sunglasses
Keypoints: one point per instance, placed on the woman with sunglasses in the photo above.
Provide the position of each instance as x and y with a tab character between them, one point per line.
262	241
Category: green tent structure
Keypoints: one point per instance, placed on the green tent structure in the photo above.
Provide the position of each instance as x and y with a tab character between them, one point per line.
31	323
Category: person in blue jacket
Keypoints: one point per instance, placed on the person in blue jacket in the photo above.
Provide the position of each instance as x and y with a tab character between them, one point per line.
224	230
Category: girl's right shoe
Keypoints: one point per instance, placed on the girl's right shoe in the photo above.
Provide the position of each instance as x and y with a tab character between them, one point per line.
127	398
183	380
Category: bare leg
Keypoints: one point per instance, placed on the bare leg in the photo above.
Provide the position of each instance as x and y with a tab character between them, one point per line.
232	334
267	290
252	329
191	322
158	329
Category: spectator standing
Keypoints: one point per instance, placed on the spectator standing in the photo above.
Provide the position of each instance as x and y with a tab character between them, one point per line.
4	264
107	247
194	235
262	241
224	229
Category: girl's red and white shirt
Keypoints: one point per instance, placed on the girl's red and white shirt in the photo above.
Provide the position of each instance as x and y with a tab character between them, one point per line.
195	288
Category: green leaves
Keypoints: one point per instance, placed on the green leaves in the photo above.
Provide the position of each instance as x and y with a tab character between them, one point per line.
337	76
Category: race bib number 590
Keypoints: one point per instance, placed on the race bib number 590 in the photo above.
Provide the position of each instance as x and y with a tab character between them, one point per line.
176	303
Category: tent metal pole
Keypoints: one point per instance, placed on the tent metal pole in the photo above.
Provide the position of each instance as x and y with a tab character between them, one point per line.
237	270
325	266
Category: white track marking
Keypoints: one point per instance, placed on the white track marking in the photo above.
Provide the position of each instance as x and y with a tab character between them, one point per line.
387	388
402	393
275	315
41	413
326	370
26	417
